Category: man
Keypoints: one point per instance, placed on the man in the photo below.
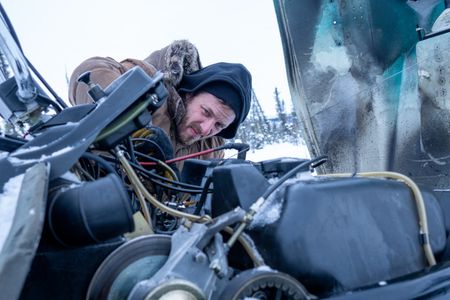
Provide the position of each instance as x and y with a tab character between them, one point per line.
205	105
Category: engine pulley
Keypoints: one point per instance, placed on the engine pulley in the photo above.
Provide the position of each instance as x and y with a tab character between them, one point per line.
136	260
264	284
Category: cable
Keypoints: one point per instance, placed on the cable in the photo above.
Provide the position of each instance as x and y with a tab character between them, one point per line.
133	176
291	173
160	163
154	144
131	149
202	200
167	186
47	86
49	102
243	148
100	161
184	157
420	204
177	159
180	183
247	243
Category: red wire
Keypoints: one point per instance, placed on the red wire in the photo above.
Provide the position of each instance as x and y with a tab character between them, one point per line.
181	157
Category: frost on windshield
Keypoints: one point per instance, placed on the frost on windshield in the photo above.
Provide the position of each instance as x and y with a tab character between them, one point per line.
8	203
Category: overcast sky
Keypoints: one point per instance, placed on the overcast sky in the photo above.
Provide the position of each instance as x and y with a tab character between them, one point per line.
57	35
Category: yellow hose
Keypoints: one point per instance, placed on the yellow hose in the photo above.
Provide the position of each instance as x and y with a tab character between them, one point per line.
135	179
257	261
420	204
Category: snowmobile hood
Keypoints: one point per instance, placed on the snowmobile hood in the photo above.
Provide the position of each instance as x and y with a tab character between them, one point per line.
369	81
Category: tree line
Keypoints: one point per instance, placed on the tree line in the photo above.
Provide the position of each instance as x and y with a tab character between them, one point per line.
257	130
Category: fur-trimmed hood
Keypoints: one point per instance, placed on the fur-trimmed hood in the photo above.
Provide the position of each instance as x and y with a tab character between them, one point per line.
175	60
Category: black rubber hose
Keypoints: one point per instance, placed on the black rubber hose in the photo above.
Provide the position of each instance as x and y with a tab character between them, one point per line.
202	200
141	169
317	161
108	168
182	186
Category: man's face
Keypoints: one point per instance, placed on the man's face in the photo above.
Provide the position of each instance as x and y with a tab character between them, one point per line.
206	115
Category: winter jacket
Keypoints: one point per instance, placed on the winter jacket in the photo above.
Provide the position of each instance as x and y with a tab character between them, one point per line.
180	57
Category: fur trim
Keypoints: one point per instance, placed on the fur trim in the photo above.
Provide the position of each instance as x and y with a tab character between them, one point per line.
175	106
179	58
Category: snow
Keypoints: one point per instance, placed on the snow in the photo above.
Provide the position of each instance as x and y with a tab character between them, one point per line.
17	161
3	154
2	128
8	203
274	151
269	213
25	150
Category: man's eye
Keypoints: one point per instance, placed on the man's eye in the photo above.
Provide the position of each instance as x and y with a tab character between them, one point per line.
205	111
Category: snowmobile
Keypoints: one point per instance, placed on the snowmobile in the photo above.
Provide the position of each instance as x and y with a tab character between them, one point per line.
87	214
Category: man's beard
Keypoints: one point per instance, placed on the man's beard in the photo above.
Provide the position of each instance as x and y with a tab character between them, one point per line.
186	141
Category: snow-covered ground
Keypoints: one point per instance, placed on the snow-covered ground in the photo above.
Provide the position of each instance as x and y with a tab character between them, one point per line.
274	151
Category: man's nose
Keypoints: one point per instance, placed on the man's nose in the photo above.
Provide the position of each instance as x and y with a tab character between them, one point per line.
207	127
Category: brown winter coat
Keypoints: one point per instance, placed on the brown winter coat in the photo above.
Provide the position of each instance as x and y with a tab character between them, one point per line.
178	58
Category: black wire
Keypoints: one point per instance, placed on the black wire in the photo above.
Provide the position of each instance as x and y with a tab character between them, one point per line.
84	168
242	149
316	161
112	159
47	86
186	185
151	158
148	174
50	102
154	144
183	184
131	149
202	200
171	187
108	168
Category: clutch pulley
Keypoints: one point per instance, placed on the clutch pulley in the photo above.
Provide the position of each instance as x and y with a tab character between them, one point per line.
134	261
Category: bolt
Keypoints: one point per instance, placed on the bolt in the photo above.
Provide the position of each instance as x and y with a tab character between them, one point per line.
200	257
154	98
215	266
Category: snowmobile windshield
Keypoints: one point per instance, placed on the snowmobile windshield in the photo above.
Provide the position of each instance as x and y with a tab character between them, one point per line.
370	80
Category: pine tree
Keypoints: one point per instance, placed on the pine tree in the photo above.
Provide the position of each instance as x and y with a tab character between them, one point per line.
255	130
282	130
